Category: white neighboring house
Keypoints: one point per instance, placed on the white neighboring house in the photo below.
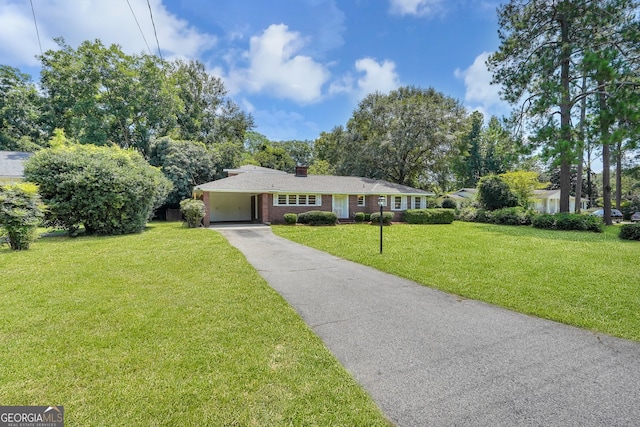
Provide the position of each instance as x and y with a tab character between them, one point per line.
12	166
548	201
543	201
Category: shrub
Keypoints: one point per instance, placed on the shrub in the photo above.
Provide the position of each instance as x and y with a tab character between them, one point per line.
449	203
568	221
543	220
290	218
484	215
511	216
193	211
494	193
429	216
107	189
318	218
21	211
468	214
387	217
630	232
359	217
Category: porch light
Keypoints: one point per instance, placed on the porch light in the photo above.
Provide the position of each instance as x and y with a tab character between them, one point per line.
382	202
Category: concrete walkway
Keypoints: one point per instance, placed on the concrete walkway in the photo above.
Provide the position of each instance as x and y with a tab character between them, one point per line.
431	359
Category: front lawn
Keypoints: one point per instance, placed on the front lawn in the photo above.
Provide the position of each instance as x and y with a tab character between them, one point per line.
591	280
164	328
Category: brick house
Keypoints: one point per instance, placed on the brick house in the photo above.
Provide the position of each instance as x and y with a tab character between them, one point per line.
256	194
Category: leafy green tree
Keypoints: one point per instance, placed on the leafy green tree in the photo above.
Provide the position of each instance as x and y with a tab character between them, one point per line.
274	157
407	136
107	190
21	211
468	167
99	95
494	193
207	115
523	184
185	163
21	128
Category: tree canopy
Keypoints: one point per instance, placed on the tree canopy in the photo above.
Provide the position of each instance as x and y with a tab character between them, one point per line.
406	137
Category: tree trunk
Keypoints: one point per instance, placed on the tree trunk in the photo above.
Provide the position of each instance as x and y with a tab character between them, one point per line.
583	113
606	156
565	116
618	174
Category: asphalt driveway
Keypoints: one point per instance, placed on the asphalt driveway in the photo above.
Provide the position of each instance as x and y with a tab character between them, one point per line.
432	359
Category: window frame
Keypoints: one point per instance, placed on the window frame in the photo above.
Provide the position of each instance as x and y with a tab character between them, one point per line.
364	200
403	203
294	199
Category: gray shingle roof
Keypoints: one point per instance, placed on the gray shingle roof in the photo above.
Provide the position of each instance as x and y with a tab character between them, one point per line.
12	163
311	184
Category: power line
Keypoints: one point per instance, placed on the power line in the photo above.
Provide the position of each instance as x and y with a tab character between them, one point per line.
154	30
35	22
139	28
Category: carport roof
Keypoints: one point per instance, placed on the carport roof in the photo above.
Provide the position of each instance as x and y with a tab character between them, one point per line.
310	184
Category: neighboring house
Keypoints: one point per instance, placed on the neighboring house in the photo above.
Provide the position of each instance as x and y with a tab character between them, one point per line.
252	193
12	166
543	201
548	201
463	195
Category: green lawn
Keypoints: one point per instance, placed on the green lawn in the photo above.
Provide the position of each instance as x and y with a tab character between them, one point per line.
585	279
164	328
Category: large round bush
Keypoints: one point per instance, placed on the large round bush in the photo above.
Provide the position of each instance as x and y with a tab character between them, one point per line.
107	190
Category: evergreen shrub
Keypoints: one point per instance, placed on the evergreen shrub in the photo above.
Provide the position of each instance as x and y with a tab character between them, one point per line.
290	218
429	216
318	218
193	211
630	232
387	217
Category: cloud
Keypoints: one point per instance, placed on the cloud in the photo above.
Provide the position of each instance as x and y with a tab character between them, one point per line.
111	22
480	94
274	67
374	76
415	7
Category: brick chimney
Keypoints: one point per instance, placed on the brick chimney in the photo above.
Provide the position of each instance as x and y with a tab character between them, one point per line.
301	171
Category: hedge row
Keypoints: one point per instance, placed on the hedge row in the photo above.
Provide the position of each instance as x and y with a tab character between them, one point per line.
429	216
568	221
505	216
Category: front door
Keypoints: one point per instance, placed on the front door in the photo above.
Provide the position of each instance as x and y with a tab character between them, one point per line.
341	206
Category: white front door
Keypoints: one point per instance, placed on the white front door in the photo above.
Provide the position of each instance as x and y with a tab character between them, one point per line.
341	205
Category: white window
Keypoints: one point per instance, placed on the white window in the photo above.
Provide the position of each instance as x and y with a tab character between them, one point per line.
361	201
419	202
398	203
297	200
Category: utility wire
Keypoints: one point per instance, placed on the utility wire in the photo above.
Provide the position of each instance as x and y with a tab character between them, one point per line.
154	30
139	28
35	22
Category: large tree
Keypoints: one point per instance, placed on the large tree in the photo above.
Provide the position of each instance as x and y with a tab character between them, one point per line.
540	65
406	137
20	112
100	95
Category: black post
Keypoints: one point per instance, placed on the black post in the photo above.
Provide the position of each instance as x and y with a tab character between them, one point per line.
380	228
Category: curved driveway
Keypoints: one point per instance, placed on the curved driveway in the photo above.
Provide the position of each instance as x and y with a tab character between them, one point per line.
432	359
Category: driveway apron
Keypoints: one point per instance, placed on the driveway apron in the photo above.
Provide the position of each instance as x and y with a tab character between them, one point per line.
433	359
